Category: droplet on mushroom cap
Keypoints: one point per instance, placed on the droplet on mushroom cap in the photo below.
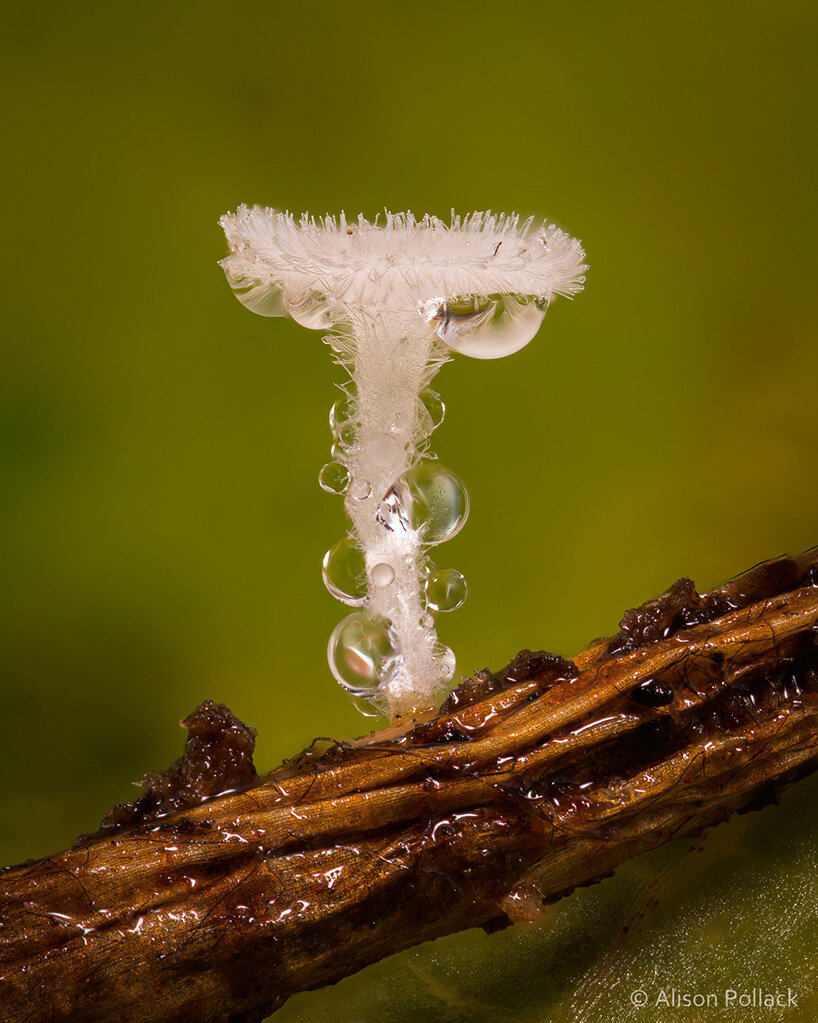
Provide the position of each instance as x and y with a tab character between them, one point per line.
485	328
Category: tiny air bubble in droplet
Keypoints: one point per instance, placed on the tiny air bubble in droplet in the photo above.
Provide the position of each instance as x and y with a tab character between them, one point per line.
344	572
445	590
334	478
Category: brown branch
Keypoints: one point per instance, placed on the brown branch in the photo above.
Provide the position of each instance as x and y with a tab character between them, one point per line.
201	904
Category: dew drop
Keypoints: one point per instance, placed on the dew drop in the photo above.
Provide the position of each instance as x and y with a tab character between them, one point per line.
363	706
261	297
445	661
346	436
334	478
445	590
426	621
341	413
311	310
430	499
431	412
360	490
362	653
382	450
344	572
382	574
487	328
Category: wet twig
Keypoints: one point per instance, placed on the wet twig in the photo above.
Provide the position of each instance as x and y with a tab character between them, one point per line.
190	905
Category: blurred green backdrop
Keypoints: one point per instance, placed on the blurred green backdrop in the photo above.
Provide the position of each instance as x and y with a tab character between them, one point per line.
161	524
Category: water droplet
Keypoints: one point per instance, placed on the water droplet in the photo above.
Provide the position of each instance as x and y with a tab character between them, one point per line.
261	297
363	706
311	310
334	478
344	572
382	574
431	411
360	490
446	662
426	621
428	498
445	590
487	328
362	653
341	413
383	450
346	436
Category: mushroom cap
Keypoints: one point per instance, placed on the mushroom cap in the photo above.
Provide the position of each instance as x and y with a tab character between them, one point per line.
398	260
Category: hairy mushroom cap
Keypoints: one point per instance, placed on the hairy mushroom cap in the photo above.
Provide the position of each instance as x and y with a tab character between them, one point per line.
399	260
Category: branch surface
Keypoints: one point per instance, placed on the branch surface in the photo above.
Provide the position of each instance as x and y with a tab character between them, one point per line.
218	894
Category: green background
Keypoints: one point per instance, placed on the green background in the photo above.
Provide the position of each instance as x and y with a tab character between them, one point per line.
161	527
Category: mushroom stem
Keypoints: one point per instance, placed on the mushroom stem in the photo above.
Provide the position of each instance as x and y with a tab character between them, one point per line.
391	356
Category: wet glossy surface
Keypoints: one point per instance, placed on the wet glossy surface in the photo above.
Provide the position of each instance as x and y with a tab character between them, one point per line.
533	781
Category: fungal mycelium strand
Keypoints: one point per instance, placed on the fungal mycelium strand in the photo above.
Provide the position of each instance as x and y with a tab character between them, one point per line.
397	297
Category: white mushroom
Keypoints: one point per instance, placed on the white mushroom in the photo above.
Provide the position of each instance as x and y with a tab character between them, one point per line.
397	298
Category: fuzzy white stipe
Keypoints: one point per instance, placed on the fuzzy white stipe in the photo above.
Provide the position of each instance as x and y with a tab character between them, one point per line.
394	360
385	289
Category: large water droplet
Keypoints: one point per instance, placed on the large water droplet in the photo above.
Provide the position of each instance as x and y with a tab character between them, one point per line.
445	590
311	310
430	499
486	328
362	653
344	572
261	297
334	478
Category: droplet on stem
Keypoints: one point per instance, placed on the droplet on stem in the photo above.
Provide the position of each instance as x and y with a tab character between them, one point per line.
445	590
334	478
362	653
360	490
429	499
431	412
382	450
344	572
382	574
